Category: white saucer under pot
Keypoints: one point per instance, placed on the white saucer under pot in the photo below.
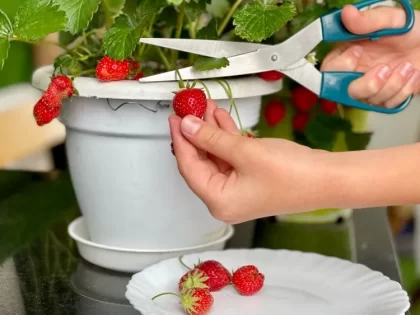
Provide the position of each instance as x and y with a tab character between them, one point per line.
124	175
133	260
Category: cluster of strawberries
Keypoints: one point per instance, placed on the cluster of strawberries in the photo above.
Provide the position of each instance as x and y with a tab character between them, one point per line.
303	100
196	285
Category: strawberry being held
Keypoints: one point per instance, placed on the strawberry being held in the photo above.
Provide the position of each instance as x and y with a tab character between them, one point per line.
247	280
194	301
190	101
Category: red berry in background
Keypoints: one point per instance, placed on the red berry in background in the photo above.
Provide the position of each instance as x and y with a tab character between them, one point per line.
328	107
271	76
138	76
300	121
109	69
274	112
303	99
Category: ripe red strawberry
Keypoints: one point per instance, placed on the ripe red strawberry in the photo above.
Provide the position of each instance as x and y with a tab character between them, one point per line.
134	65
44	114
209	274
138	76
271	76
274	112
190	101
303	98
328	107
194	301
247	280
109	69
300	121
61	87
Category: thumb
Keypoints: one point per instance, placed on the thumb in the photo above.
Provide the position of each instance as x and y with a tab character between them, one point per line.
372	20
212	139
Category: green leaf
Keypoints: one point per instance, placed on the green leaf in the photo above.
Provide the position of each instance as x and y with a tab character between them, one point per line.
112	9
209	31
256	21
130	7
37	19
175	2
358	140
146	12
208	63
321	130
78	12
194	9
120	41
311	13
415	4
6	30
66	61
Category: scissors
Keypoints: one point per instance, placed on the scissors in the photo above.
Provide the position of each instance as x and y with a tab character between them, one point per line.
287	57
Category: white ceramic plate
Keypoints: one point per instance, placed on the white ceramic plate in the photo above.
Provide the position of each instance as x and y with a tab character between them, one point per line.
129	259
296	284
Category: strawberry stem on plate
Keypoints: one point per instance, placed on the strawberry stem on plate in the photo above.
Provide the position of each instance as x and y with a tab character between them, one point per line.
182	263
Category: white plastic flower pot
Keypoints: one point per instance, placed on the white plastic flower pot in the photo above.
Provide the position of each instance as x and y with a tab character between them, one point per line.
125	178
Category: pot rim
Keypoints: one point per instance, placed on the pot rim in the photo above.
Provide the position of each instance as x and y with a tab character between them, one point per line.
242	87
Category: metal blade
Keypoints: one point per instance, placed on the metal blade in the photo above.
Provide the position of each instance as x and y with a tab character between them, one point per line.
209	48
304	73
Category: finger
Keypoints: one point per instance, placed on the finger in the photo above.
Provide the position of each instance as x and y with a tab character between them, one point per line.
370	83
196	171
411	87
395	83
209	115
225	121
363	22
346	60
213	139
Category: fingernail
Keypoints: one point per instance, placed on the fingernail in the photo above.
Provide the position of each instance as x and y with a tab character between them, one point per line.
357	51
384	72
406	70
190	125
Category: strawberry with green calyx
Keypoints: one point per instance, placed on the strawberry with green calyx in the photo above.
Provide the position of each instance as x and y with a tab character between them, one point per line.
303	98
274	112
300	120
109	69
210	273
248	280
195	301
271	76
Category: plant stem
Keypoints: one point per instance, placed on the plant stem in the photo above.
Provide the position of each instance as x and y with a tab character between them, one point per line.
167	293
20	39
179	24
340	111
205	87
182	263
232	100
228	17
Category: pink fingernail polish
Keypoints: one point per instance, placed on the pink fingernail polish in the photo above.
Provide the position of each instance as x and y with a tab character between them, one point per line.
190	125
384	72
406	69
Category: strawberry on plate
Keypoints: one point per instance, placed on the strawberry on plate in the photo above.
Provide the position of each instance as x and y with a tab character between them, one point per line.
247	280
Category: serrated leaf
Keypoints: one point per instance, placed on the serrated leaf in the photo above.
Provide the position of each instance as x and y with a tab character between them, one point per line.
5	31
112	8
78	12
358	141
256	21
209	31
208	63
37	19
120	41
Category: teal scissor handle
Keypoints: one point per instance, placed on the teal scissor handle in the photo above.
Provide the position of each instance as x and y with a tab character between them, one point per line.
334	87
333	29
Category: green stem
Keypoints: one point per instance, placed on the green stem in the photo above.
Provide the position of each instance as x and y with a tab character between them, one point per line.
182	263
164	59
232	100
228	17
179	24
166	293
108	17
340	111
20	39
205	87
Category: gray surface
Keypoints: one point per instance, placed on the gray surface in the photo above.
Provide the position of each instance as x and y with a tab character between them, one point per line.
374	242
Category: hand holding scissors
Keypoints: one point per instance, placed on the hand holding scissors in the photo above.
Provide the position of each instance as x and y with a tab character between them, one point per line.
288	57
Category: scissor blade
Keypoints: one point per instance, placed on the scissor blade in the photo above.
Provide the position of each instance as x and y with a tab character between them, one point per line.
304	73
209	48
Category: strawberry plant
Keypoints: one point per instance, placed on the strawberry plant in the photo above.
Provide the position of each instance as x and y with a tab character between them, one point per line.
100	39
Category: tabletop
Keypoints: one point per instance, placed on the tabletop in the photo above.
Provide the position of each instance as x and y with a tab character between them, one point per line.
42	273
